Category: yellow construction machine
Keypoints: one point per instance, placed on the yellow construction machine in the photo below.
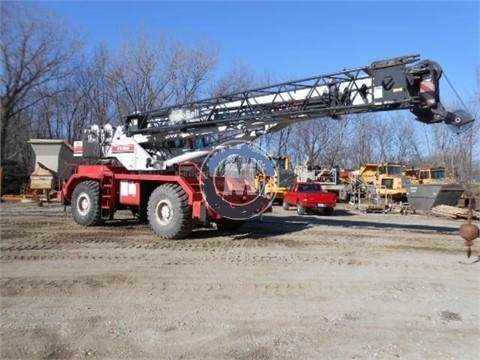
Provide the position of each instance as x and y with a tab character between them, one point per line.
278	184
431	186
387	179
428	175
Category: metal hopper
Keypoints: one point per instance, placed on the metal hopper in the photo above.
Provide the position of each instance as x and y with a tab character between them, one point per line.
53	159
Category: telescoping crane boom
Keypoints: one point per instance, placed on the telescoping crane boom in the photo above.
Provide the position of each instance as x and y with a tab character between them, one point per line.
147	154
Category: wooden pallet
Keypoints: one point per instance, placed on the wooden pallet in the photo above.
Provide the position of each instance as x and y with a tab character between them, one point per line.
454	212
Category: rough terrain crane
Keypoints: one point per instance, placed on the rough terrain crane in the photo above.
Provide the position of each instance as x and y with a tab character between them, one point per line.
150	164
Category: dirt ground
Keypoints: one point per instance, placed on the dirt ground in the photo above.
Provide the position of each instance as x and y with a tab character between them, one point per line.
347	286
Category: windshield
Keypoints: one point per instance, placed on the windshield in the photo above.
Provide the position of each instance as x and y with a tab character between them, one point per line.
390	170
279	163
439	174
310	188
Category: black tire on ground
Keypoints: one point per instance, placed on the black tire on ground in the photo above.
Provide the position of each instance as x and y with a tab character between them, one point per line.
328	211
300	209
169	214
86	203
226	224
285	205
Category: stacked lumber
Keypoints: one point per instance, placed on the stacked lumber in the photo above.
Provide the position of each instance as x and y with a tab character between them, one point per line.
454	212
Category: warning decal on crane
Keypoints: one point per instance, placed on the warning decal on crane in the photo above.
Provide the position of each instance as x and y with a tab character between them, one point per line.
427	92
128	148
78	148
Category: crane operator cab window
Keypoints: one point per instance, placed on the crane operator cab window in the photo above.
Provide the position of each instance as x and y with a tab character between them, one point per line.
136	122
179	143
199	143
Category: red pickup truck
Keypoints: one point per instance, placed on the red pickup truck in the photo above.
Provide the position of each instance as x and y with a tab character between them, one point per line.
310	197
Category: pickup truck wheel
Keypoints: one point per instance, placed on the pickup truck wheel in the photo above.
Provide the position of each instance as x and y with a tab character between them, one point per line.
227	224
328	211
86	209
169	214
300	209
285	205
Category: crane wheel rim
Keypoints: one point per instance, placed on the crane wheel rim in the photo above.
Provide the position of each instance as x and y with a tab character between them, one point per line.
164	212
84	204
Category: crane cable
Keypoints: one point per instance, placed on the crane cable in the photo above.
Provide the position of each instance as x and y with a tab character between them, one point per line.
455	91
469	192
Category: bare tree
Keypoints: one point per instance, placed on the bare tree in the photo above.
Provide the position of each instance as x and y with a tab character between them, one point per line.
318	142
361	141
190	70
140	74
151	72
467	153
95	88
239	78
396	138
36	51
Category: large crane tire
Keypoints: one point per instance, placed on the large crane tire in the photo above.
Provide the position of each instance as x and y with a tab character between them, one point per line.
169	214
86	207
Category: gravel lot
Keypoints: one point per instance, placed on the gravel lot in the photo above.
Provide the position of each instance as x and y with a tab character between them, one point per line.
347	286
